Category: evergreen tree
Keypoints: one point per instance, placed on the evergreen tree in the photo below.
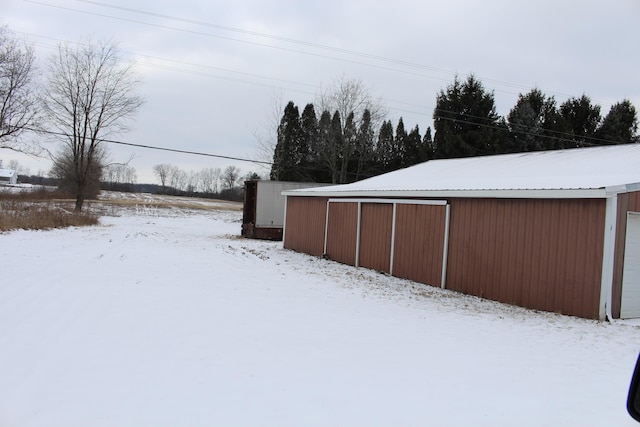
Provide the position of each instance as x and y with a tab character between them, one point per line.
398	146
309	145
335	143
413	151
580	120
287	155
326	153
349	137
465	121
364	151
384	147
620	125
535	123
427	145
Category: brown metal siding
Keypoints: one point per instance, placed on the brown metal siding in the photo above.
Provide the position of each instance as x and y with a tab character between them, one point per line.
305	222
628	202
375	236
634	201
342	232
419	242
543	254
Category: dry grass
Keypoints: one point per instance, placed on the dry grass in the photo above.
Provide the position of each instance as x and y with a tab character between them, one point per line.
184	204
40	216
40	210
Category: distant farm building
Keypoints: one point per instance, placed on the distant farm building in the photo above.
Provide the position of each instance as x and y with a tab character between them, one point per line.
8	176
557	231
263	211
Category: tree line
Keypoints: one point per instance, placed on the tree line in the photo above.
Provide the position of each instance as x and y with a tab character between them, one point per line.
344	145
207	182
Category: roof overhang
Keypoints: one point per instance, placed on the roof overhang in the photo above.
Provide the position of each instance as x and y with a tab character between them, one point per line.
598	193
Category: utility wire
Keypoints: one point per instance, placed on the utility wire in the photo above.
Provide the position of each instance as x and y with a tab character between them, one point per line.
304	43
302	52
241	80
280	38
155	147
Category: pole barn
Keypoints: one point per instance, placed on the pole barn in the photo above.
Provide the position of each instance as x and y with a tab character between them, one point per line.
557	231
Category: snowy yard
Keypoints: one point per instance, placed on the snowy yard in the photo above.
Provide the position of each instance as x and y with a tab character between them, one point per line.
167	318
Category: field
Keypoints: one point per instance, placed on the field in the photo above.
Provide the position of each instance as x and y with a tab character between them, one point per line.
162	315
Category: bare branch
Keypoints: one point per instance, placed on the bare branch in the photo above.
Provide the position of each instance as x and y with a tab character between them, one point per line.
89	96
18	101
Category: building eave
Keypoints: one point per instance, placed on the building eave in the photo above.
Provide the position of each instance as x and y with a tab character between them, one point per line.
591	193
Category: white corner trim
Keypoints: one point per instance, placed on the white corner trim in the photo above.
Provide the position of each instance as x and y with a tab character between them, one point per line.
608	257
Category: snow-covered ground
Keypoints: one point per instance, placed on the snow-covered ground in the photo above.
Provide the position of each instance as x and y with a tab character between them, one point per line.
165	317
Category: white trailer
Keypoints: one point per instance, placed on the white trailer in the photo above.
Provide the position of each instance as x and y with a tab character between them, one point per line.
263	212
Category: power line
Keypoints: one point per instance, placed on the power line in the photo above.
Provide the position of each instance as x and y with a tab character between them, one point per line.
280	38
305	43
186	71
155	147
302	52
281	80
272	37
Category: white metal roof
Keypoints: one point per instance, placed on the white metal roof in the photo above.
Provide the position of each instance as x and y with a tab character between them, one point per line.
578	172
7	173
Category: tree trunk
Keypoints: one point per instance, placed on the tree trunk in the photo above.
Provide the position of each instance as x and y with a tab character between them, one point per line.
79	198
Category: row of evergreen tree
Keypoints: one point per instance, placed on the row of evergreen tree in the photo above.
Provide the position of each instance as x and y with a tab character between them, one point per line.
337	149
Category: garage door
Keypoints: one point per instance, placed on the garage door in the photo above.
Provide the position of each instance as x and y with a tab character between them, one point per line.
341	234
419	245
630	305
406	238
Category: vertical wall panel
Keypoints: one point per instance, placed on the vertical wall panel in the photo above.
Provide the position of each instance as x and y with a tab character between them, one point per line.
342	232
305	222
634	201
543	254
419	243
628	202
375	236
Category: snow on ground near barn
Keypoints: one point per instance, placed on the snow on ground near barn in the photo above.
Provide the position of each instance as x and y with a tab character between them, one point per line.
166	318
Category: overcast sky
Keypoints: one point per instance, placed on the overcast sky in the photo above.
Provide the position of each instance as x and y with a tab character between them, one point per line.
214	73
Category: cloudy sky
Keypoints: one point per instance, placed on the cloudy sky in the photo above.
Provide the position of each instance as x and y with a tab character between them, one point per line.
215	74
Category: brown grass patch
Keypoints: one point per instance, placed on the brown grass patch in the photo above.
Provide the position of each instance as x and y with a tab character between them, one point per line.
42	209
40	215
168	204
159	201
35	194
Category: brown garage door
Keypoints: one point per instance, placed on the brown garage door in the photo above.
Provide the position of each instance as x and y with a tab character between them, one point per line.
406	238
342	228
376	226
420	239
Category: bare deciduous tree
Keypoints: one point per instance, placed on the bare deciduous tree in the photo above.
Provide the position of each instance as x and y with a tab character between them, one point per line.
177	178
162	171
350	104
209	179
64	170
348	96
89	96
18	102
230	177
119	177
267	136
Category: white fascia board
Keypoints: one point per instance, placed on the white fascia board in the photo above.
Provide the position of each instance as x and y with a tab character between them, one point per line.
398	201
592	193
